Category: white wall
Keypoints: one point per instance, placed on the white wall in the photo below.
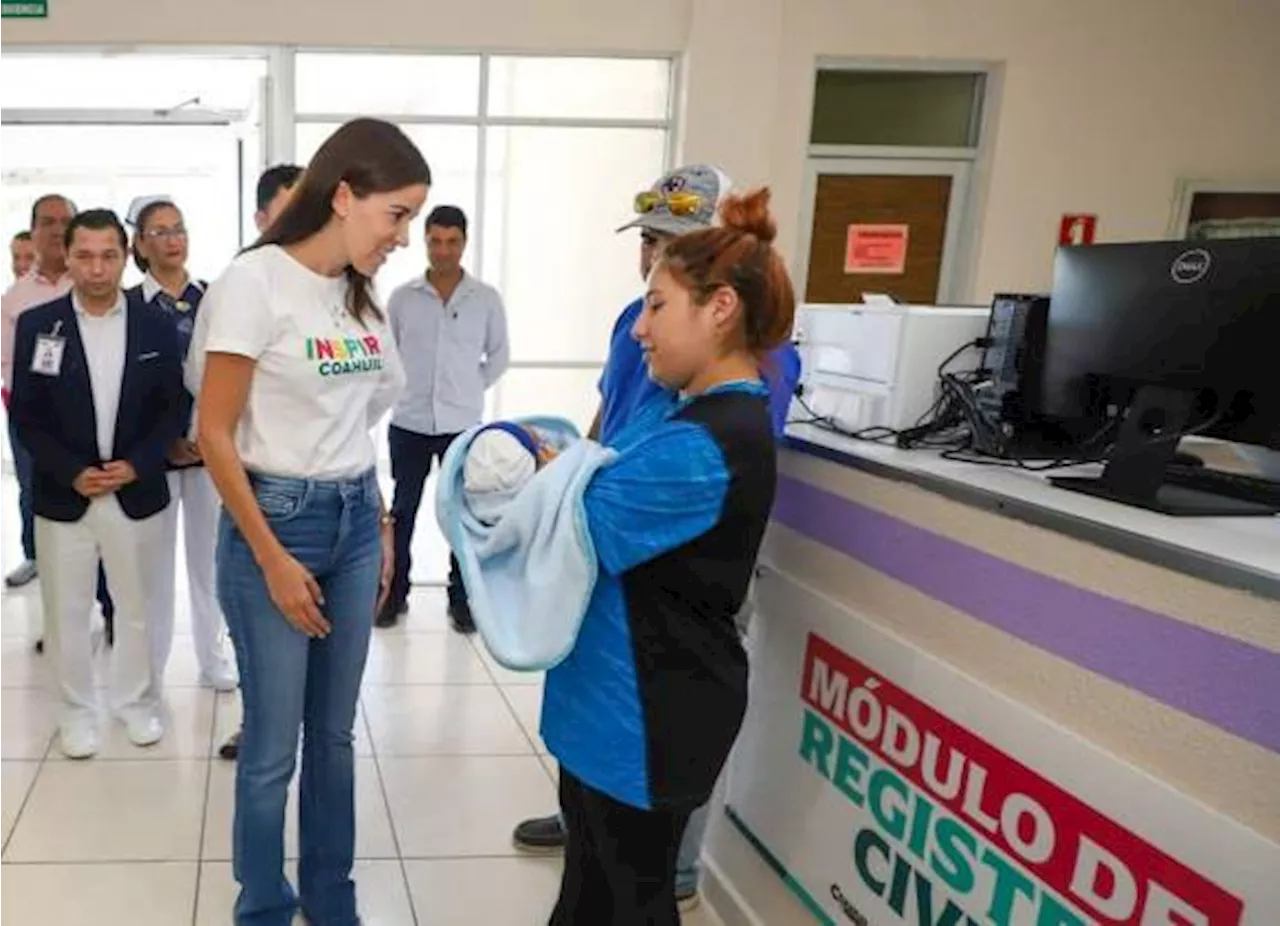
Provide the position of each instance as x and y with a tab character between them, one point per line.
561	25
1105	105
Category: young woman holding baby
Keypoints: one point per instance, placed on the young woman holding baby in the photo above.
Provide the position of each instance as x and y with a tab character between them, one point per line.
643	712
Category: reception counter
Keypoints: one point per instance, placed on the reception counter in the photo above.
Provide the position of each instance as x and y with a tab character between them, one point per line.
978	699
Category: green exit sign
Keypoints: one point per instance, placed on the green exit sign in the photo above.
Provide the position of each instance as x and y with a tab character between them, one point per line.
25	9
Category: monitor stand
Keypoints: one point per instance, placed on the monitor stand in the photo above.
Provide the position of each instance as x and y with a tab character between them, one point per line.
1147	443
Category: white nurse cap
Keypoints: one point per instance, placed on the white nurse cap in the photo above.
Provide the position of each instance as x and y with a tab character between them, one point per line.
141	202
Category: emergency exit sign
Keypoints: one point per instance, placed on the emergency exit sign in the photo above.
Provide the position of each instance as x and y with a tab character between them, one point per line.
25	9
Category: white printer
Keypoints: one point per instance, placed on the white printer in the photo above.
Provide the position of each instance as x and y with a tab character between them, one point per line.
871	366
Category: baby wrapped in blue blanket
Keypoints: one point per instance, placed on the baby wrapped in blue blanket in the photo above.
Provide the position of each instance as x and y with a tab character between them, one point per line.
510	505
501	460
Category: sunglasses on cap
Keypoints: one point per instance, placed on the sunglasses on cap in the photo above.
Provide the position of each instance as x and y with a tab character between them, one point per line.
677	203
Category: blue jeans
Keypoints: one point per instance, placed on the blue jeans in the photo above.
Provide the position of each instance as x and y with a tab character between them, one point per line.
22	465
289	680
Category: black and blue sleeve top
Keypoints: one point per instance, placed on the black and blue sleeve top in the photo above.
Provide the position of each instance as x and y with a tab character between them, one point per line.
647	706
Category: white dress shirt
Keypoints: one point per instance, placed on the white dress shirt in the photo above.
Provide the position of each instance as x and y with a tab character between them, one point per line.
452	351
105	339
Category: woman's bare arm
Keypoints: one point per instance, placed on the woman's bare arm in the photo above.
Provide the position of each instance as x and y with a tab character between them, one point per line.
223	394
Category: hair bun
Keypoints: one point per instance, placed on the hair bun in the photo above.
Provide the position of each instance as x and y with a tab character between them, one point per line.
749	213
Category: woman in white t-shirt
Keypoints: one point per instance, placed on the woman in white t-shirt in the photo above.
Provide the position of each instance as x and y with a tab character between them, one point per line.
296	364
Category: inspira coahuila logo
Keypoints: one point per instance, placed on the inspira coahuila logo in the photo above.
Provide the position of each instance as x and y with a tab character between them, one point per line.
342	356
1191	266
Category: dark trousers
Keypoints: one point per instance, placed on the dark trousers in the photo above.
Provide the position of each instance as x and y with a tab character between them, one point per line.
412	455
620	861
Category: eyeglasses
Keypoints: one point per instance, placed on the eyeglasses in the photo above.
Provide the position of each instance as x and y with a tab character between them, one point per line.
676	203
156	234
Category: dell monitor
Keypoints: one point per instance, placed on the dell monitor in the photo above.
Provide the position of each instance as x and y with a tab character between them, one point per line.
1165	338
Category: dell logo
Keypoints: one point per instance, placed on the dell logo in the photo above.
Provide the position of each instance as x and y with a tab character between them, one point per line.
1191	266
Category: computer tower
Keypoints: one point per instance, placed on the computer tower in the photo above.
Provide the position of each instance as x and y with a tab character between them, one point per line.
1014	359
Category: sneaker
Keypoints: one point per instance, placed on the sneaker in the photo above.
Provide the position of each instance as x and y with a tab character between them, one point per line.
23	575
220	677
230	750
78	739
687	900
460	617
144	727
389	616
540	836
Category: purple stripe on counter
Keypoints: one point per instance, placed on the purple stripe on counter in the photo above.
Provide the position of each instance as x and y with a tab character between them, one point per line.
1225	682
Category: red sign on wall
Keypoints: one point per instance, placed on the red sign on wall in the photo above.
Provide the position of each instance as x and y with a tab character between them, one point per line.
1077	229
876	249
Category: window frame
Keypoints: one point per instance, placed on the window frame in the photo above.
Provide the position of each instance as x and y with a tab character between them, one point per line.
1185	191
483	120
961	258
278	117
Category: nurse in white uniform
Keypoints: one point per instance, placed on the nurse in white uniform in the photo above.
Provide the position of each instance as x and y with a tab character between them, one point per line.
160	251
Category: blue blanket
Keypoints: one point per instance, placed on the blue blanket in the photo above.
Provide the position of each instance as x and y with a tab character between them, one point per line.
530	575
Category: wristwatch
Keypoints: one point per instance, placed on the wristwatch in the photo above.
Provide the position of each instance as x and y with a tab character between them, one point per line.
387	520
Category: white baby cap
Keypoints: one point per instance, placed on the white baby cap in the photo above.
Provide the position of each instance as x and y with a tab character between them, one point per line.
497	461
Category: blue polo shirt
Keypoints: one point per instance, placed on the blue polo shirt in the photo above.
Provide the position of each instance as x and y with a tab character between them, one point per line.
625	384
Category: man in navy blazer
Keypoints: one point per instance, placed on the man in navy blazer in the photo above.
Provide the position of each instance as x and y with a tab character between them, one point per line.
98	400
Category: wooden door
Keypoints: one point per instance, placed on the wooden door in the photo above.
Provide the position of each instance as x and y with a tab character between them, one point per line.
913	206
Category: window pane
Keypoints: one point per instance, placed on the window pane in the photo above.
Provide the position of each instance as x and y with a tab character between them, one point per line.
417	85
450	151
131	81
554	197
896	108
570	394
579	88
106	166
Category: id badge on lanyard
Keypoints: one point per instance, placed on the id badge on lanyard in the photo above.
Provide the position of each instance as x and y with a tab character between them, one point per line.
47	358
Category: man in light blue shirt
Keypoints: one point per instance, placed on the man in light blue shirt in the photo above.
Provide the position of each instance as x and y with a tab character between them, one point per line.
451	330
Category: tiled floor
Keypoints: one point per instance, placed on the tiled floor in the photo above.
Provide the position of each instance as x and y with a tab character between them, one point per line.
449	760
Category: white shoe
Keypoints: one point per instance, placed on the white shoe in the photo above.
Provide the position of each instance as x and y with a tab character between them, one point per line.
23	575
144	728
220	677
78	739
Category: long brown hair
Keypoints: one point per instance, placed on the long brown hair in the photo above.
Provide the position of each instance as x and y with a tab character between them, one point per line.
370	156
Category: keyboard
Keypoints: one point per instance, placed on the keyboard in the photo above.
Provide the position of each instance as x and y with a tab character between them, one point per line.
1219	482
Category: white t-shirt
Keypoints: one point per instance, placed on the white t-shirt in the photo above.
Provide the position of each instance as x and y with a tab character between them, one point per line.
322	380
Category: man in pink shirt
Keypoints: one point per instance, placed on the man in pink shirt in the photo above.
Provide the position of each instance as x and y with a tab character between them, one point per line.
47	281
22	254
